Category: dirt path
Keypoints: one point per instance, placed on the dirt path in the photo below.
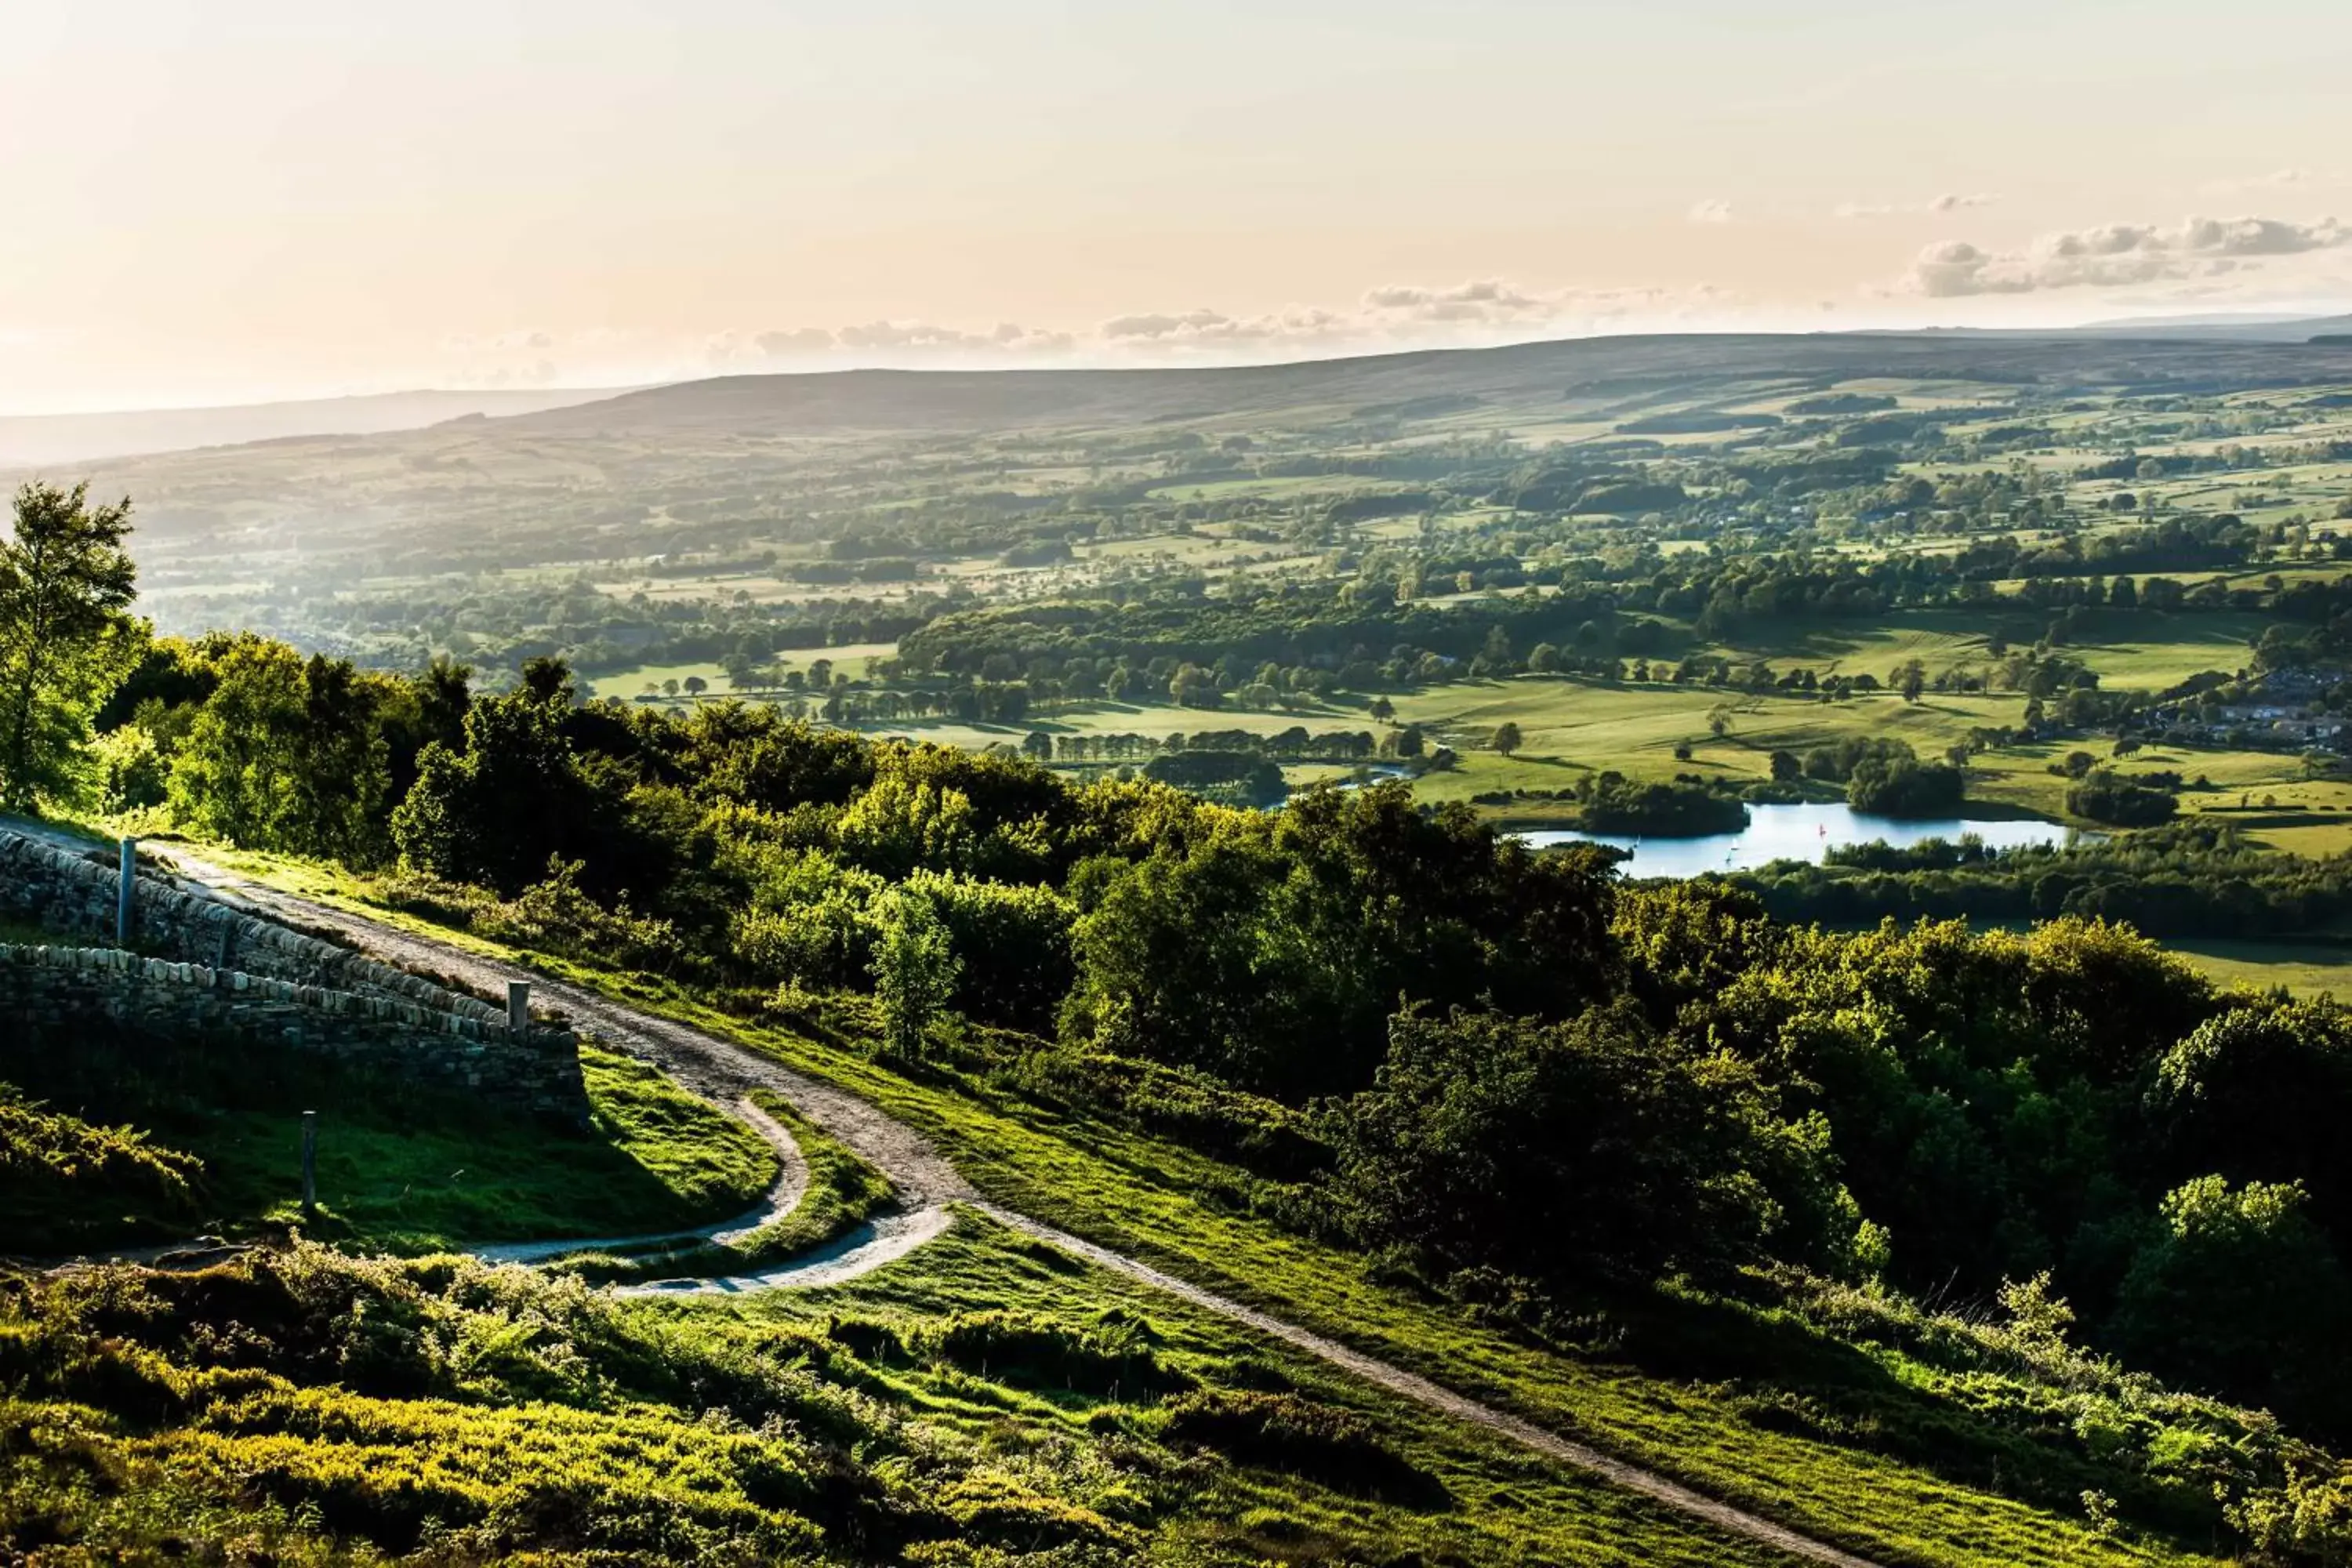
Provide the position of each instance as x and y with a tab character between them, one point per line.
782	1196
927	1183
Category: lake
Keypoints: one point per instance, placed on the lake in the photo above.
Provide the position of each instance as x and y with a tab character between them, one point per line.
1797	833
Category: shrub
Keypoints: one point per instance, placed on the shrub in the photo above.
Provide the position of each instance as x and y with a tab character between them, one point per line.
2117	801
1290	1432
63	1179
1899	787
1113	1358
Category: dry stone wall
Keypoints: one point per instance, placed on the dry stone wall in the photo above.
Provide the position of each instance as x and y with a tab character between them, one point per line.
229	973
73	893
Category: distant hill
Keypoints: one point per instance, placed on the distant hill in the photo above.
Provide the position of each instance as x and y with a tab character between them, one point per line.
28	439
2246	329
744	462
902	401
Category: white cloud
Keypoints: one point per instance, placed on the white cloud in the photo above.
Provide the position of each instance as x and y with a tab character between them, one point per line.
1484	297
1714	210
1949	202
1480	311
798	339
2118	256
2286	179
1403	315
929	335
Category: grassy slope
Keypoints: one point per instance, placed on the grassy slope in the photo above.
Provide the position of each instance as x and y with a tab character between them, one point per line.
842	1193
1178	1210
2302	968
1162	1202
1482	1499
984	1400
399	1167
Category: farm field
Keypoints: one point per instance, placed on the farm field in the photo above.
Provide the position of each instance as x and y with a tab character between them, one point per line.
2304	969
2140	649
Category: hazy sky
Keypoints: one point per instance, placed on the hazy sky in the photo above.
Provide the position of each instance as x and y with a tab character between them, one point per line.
246	198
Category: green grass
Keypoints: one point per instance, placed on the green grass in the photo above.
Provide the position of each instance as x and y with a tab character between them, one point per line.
711	1163
2306	968
1157	720
1446	1493
1187	1214
842	1193
987	1400
2144	649
401	1167
1572	728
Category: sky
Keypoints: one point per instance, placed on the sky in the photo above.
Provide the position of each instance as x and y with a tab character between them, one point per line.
248	199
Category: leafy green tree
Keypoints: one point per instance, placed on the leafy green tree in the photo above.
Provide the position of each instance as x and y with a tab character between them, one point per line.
2263	1092
1019	936
287	754
1507	737
1554	1150
915	969
1785	768
2121	801
1899	786
2237	1291
1271	949
1194	687
67	638
494	809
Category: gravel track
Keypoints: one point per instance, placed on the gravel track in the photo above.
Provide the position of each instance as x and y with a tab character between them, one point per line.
928	1185
782	1196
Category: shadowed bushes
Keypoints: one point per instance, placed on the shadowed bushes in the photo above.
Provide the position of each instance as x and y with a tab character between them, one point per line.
1113	1358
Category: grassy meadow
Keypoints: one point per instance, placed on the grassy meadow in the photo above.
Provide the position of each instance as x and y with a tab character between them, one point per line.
401	1167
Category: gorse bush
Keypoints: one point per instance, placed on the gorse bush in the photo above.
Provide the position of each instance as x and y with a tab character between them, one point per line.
65	1182
487	1410
556	915
1288	1431
1110	1358
340	1410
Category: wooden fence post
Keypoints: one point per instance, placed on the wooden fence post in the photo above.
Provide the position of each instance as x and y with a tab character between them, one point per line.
126	893
309	1164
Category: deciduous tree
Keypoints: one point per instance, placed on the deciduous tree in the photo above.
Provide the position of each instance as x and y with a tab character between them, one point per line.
67	637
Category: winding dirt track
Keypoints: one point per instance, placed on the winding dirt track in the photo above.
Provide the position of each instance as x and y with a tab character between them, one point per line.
927	1182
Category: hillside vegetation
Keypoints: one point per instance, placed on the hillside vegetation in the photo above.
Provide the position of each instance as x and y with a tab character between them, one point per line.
1106	778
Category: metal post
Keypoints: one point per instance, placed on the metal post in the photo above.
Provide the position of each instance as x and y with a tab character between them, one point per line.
126	892
309	1164
518	1006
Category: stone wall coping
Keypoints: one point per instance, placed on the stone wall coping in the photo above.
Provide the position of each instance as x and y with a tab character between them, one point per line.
135	968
